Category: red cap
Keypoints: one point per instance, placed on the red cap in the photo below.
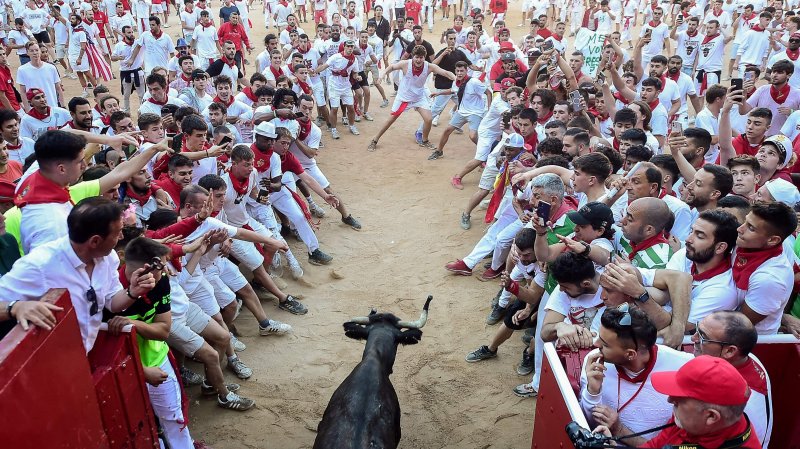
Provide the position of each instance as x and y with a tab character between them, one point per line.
506	46
33	92
796	34
7	191
705	378
505	83
503	30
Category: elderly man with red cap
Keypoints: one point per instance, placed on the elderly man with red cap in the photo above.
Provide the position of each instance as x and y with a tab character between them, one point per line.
708	396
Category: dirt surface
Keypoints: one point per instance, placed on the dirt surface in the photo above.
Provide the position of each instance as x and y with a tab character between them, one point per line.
410	215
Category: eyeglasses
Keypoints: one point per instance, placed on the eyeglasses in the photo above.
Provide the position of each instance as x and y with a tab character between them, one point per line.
91	296
704	339
794	40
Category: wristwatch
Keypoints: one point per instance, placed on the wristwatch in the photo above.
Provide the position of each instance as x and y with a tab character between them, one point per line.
8	309
644	297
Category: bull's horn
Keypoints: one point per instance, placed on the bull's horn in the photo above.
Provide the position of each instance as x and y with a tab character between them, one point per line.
363	319
423	318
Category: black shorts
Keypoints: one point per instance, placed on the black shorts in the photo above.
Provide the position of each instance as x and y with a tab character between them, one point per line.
363	82
513	309
43	37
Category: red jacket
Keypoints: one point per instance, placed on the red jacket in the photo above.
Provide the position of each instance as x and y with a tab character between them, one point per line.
234	33
7	87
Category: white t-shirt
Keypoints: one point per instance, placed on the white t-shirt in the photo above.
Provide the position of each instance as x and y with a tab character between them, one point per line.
709	55
768	292
791	128
156	51
659	35
687	46
36	19
33	128
206	38
794	80
121	49
75	41
604	22
117	23
61	32
235	207
190	19
45	78
706	120
340	64
20	39
585	310
762	98
473	102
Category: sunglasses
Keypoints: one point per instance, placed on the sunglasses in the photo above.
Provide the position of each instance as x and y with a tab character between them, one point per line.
91	296
794	41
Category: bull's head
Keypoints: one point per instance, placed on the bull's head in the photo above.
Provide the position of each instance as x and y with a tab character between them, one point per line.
359	327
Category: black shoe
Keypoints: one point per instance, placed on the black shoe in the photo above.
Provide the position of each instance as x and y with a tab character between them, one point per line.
481	353
352	222
526	366
527	336
319	258
496	315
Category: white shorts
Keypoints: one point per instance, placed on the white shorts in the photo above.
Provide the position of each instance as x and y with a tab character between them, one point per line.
489	176
458	120
734	50
484	146
184	335
204	297
317	174
82	66
103	45
61	51
156	9
222	292
319	91
344	96
423	103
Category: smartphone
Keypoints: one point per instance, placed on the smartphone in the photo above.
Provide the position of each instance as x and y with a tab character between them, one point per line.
225	140
543	210
575	98
648	32
749	76
677	128
736	84
601	79
177	143
263	196
547	45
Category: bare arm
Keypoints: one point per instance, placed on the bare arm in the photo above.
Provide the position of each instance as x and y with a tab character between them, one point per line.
442	72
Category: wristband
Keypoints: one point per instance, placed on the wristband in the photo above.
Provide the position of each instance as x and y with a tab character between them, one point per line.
513	288
130	295
8	309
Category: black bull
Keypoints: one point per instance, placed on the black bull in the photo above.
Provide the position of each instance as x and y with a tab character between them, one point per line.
364	411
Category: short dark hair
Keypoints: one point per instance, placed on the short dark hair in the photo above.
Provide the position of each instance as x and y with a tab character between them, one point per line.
714	92
548	98
258	76
185	58
92	216
723	179
639	153
725	226
580	136
528	114
161	218
613	156
557	160
156	78
179	160
183	112
56	146
734	202
212	182
525	238
74	102
148	119
652	82
593	164
642	331
635	135
761	113
192	123
783	66
242	153
746	160
779	216
282	93
667	162
96	172
142	250
8	115
700	136
659	59
223	79
214	106
625	116
571	268
551	146
739	330
155	19
117	117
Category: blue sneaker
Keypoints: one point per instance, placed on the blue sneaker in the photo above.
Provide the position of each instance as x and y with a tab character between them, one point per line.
418	137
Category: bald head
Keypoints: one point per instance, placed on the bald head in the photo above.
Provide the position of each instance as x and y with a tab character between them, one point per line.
653	212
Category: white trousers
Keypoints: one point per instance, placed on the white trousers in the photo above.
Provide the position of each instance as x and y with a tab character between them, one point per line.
285	203
487	243
166	401
503	243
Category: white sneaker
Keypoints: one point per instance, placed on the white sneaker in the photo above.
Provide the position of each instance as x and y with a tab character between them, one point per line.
316	210
435	121
334	133
274	328
354	130
297	270
85	93
368	117
384	103
237	344
357	118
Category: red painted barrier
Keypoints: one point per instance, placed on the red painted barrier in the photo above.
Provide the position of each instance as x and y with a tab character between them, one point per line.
53	396
557	404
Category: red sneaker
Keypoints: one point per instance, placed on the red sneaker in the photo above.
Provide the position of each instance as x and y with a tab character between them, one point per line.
455	181
459	267
490	274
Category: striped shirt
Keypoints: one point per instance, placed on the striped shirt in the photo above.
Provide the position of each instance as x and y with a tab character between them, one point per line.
656	256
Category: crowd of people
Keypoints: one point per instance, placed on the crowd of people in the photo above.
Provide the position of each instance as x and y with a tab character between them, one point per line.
635	186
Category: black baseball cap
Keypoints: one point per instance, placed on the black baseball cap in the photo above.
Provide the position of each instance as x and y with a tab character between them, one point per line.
199	73
508	57
594	213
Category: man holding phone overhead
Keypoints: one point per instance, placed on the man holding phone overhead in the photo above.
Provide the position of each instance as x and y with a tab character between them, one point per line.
657	32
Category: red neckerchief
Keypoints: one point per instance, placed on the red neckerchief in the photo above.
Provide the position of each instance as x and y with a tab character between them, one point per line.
557	37
37	189
187	79
716	14
142	199
723	266
462	82
105	119
709	38
275	72
640	378
690	34
187	10
677	436
532	140
779	95
621	98
210	24
157	36
227	61
121	15
748	261
39	115
227	104
792	54
261	162
579	75
415	71
543	119
470	49
248	92
757	28
647	243
172	188
305	129
653	23
240	187
671	76
10	146
304	86
458	29
653	104
743	146
748	19
160	103
351	16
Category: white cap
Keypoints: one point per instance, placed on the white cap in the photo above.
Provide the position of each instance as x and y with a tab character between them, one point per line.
515	140
265	129
783	191
784	146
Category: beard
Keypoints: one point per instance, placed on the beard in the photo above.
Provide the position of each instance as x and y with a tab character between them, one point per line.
699	256
696	202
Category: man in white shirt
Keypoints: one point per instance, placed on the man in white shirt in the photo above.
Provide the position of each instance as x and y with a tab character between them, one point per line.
37	74
84	263
686	88
778	96
761	271
616	387
710	57
754	49
205	40
687	43
118	19
189	19
708	119
657	32
790	54
41	117
157	88
731	336
157	46
343	68
130	69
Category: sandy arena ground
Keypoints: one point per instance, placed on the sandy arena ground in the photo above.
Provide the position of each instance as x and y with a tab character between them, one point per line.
410	215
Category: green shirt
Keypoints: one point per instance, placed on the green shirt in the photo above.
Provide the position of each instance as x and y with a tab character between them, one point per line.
79	191
564	227
157	301
656	256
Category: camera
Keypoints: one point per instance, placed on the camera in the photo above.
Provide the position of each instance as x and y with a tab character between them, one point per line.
583	438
